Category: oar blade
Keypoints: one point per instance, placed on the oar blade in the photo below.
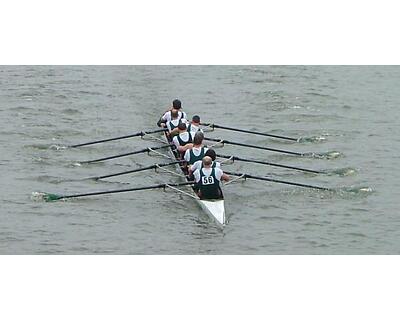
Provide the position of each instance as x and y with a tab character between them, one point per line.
48	197
44	196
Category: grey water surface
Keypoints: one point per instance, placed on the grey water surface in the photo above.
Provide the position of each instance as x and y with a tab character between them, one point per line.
353	110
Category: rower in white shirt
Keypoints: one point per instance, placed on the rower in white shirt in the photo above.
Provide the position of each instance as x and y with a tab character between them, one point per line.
208	180
183	138
167	117
175	121
192	127
195	151
198	165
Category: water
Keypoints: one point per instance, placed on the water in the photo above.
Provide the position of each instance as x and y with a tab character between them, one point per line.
349	109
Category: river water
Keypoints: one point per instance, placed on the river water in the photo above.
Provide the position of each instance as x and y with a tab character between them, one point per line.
352	110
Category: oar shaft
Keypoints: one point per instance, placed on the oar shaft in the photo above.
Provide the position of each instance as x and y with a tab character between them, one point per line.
254	146
278	181
252	132
234	158
137	134
124	154
136	170
158	186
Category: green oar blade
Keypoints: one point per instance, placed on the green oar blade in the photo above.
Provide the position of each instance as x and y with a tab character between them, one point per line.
48	197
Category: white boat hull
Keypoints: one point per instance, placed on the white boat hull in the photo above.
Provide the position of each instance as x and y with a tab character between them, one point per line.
213	208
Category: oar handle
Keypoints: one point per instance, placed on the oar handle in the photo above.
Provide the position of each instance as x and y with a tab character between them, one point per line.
255	147
158	186
213	125
137	170
245	175
123	155
234	158
137	134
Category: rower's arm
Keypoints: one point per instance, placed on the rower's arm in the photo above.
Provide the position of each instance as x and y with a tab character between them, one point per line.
185	147
225	177
174	132
161	122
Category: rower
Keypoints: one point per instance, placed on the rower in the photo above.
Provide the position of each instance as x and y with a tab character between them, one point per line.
198	165
208	180
175	121
192	127
176	105
194	151
183	138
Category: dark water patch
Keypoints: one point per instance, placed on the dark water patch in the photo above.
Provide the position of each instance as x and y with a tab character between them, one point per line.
11	239
71	111
93	93
41	125
271	218
356	234
359	210
320	94
21	109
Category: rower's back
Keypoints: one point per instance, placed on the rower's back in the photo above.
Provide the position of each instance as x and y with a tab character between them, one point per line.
208	180
176	119
197	152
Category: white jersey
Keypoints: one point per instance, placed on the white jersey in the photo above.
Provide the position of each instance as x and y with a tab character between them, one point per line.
193	129
167	116
171	125
196	152
184	136
198	164
207	172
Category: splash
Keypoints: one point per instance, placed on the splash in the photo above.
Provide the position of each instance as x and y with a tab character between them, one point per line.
324	155
365	190
312	139
37	196
43	196
342	172
57	147
353	192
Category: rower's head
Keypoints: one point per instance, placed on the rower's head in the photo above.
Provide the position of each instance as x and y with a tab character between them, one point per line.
176	104
207	162
211	153
182	127
198	138
196	120
174	114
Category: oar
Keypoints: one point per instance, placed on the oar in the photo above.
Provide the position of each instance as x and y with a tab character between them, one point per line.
249	176
54	197
148	149
154	166
137	134
234	158
213	125
255	147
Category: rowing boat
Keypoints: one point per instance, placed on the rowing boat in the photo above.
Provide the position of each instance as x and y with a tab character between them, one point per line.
213	208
